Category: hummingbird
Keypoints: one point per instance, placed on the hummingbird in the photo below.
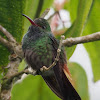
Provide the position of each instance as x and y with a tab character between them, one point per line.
40	49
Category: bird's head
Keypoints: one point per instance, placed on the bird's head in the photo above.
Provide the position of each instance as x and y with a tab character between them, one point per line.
40	23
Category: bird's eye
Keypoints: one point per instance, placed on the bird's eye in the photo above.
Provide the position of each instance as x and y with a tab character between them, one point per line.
43	27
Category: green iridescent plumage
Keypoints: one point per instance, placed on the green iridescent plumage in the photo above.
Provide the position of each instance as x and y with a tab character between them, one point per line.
38	40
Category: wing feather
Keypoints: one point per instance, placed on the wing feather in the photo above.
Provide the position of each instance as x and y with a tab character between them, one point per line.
63	75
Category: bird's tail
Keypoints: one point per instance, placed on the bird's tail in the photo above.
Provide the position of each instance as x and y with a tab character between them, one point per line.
60	83
53	85
63	76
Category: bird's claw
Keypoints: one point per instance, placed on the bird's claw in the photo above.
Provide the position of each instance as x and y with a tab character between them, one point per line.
44	68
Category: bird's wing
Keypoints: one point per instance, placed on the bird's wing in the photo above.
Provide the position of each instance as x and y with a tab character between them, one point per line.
63	75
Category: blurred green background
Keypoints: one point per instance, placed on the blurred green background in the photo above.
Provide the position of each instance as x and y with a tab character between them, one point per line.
85	19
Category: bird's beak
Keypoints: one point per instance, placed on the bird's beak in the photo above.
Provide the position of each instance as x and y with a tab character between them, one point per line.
32	22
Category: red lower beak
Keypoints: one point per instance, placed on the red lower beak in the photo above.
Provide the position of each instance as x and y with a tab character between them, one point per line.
32	22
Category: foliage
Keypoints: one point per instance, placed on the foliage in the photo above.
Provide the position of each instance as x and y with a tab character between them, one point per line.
81	14
32	88
93	48
13	21
79	80
84	16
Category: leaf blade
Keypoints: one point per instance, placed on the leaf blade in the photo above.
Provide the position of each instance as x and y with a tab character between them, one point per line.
36	90
79	80
93	48
76	29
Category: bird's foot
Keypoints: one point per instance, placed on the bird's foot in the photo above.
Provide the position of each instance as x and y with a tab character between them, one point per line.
44	68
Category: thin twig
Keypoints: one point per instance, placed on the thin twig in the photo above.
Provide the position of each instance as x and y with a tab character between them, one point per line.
45	13
7	34
84	39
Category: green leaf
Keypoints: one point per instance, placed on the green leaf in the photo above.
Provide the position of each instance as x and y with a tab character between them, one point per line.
83	10
32	88
79	80
81	16
11	19
93	48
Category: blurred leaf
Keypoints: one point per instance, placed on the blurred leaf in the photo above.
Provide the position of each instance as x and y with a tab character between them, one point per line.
93	48
79	80
81	14
83	10
32	88
11	19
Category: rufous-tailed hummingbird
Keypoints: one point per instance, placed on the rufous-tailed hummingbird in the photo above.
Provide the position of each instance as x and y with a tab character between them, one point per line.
40	49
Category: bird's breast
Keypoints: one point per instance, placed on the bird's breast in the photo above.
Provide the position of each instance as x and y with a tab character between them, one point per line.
39	55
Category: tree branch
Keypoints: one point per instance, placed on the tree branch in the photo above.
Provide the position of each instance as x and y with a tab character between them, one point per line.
84	39
11	44
7	34
5	43
17	74
45	13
